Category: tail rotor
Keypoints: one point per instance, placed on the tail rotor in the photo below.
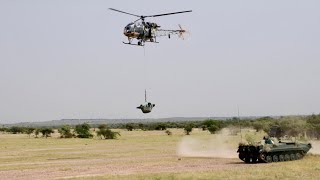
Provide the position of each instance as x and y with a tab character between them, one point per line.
182	32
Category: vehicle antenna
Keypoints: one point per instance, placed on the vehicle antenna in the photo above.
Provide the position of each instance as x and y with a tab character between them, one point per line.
239	124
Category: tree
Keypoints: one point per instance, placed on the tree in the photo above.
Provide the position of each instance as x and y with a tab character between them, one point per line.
204	127
141	126
29	131
188	129
105	131
37	132
207	123
213	128
16	130
129	126
313	123
168	132
46	132
293	126
4	129
83	131
161	126
65	132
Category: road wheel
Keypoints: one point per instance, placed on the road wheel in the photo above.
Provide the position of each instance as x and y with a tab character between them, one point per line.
298	156
281	157
292	156
275	158
287	157
269	159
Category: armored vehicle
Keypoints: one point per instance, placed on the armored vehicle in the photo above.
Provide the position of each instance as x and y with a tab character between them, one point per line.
268	151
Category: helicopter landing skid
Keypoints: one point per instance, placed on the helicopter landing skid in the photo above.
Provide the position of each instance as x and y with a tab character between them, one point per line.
132	44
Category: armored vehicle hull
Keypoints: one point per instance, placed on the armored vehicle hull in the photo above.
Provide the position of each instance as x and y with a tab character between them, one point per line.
285	151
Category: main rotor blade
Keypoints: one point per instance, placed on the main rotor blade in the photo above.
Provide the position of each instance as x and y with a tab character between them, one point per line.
124	12
168	13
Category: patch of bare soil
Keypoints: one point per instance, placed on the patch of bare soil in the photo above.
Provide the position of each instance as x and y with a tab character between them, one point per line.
98	167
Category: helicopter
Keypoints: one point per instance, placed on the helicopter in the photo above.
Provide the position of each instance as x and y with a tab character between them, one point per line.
146	107
148	31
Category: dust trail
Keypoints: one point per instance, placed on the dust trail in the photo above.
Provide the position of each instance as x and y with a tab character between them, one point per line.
315	148
218	145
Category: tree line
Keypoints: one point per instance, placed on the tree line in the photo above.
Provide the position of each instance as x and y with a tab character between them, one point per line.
66	131
297	126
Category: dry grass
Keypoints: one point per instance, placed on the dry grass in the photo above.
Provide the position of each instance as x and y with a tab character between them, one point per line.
135	155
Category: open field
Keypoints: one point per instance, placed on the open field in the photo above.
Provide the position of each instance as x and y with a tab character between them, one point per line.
140	155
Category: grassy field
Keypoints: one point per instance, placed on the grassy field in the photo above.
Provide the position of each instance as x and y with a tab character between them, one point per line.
140	155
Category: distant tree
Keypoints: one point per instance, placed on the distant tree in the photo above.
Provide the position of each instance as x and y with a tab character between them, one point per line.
188	129
4	129
141	126
29	131
293	126
168	132
313	123
16	130
161	126
105	131
46	132
313	119
213	128
261	126
83	131
129	126
65	132
210	122
37	132
204	127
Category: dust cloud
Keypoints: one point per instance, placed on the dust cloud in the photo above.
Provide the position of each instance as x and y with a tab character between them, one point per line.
315	148
218	145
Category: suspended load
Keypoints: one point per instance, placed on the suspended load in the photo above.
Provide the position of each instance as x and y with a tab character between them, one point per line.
146	107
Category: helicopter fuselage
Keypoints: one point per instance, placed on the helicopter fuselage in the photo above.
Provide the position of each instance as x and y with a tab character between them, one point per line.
144	31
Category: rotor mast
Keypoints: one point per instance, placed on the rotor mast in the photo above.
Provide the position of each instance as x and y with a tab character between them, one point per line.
145	95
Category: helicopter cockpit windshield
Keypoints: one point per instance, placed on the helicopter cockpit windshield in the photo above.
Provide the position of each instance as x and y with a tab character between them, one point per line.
129	28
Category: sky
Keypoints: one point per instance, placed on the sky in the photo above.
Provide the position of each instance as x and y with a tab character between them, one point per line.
65	59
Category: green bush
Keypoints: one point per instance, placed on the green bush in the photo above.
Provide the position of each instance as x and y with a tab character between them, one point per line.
16	130
65	132
29	130
168	132
46	132
83	131
213	128
130	126
188	129
105	131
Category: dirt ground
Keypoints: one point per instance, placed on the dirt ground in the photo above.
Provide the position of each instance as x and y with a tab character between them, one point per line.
66	168
133	153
